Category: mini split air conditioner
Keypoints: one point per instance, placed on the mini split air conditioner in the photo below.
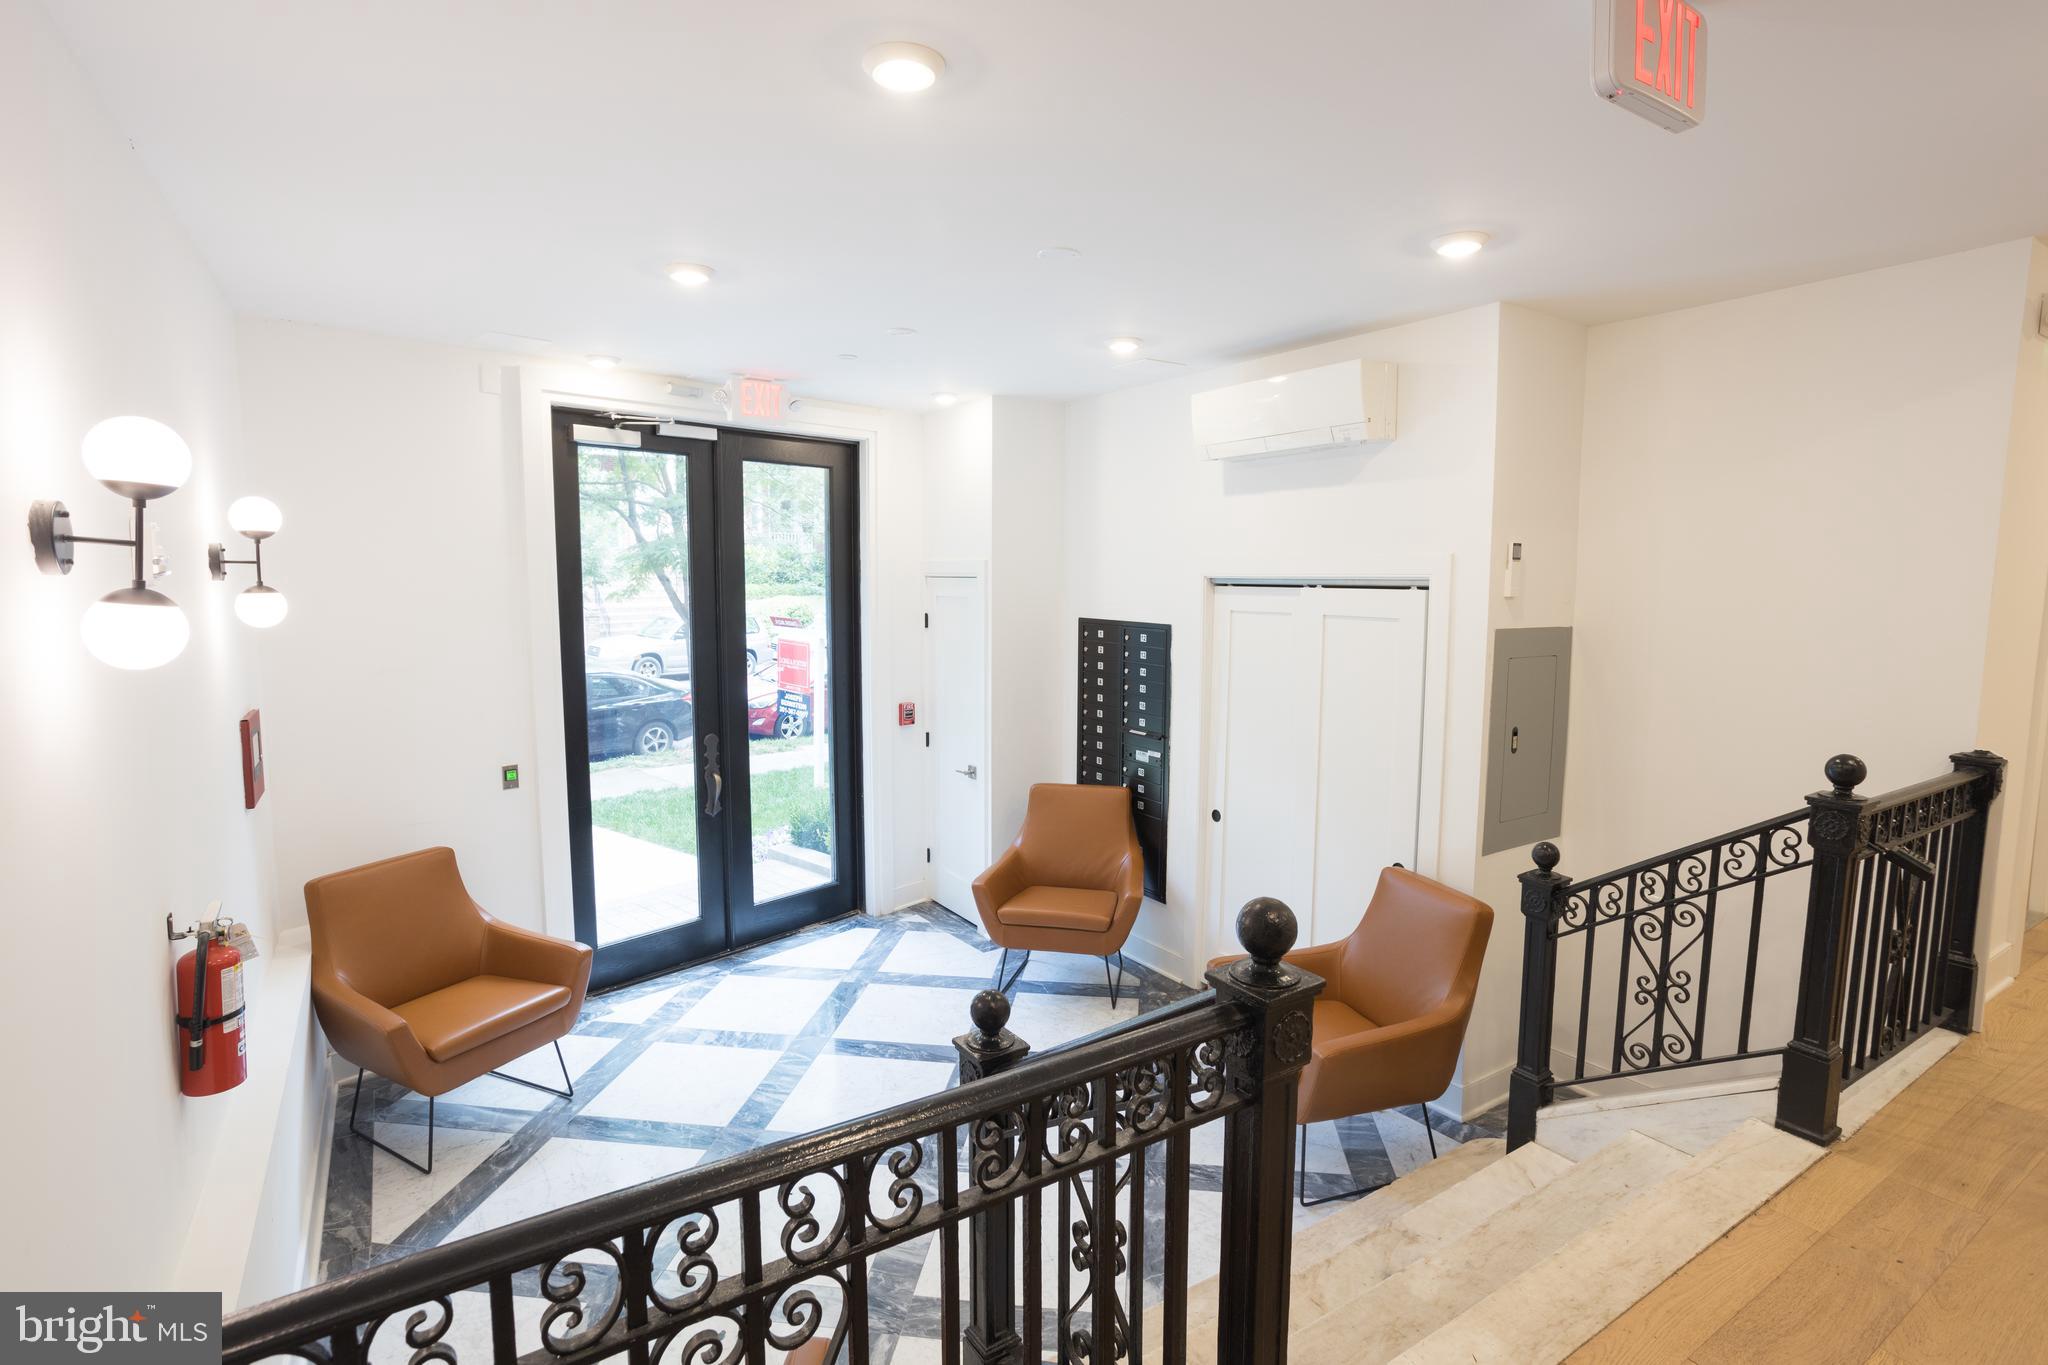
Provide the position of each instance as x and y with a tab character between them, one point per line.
1349	404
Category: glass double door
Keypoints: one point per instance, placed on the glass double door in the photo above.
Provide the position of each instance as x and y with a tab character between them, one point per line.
708	682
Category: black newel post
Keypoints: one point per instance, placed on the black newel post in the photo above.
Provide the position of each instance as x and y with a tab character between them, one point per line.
1959	981
991	1337
1262	1064
1531	1085
1810	1087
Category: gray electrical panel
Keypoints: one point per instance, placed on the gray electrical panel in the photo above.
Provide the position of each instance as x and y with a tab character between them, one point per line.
1532	673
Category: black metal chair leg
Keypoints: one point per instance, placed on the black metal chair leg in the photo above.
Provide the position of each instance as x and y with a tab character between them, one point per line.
1002	986
356	1104
568	1091
1301	1180
1429	1130
1118	981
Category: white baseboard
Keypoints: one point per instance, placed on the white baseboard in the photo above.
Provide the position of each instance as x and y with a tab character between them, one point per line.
1469	1097
313	1222
1166	961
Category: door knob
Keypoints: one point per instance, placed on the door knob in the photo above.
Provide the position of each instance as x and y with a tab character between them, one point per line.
967	771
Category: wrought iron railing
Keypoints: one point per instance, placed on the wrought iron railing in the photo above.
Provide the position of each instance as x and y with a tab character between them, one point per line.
694	1269
1628	958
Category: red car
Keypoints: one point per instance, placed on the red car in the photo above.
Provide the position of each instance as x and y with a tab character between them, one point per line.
765	718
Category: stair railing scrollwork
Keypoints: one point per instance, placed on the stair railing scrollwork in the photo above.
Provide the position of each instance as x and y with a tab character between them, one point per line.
1619	970
771	1250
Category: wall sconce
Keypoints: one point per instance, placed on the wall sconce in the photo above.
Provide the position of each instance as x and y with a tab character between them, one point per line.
139	459
261	606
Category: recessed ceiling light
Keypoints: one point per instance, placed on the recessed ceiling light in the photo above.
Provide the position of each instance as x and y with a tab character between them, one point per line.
905	68
1057	253
944	400
690	275
1458	245
1124	345
602	362
1277	379
899	332
848	355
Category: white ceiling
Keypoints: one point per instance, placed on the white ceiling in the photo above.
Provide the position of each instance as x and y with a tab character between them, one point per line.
1238	177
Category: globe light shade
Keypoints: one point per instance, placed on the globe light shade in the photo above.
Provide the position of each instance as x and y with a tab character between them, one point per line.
137	457
255	517
261	607
135	628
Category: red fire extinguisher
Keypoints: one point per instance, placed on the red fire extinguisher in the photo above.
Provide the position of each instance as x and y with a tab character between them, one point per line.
213	1037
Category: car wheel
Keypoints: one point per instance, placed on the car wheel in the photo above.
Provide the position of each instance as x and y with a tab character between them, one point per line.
789	727
647	666
655	738
753	661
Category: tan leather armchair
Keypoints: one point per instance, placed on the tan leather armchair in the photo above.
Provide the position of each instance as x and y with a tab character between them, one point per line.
1391	1019
1071	882
414	981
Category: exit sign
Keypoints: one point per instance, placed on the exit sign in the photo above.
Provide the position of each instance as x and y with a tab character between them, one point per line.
761	399
1650	57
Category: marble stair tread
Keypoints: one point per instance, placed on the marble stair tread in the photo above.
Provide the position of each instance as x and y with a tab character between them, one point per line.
1321	1240
1411	1235
1358	1322
1561	1302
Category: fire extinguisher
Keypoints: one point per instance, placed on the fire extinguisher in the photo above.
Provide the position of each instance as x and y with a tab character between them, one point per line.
213	1037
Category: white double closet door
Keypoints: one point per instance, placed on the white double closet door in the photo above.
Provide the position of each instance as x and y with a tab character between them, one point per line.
1316	729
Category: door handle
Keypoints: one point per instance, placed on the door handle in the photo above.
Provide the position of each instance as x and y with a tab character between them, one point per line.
967	771
714	781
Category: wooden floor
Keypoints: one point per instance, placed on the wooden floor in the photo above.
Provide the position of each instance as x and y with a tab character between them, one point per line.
1922	1238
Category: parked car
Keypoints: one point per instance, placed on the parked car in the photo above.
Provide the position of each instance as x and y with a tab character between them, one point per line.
765	718
661	649
629	714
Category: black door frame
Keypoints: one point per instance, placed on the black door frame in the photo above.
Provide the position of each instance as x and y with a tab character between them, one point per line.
728	920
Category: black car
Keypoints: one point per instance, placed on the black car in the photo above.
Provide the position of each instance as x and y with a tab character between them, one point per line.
630	714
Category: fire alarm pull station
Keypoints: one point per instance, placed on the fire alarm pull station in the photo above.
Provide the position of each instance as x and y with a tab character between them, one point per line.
906	713
210	1015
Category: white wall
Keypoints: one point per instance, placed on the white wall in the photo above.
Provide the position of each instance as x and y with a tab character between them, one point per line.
1026	608
1535	501
1148	523
1788	517
401	680
122	800
2013	716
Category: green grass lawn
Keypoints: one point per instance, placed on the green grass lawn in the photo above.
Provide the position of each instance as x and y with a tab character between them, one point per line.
669	816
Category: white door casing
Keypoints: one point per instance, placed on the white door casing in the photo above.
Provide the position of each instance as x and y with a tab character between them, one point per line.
956	720
1317	732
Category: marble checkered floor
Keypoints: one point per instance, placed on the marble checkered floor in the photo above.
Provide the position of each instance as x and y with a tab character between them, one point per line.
838	1021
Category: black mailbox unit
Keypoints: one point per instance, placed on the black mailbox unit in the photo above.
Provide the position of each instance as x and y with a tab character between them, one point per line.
1126	707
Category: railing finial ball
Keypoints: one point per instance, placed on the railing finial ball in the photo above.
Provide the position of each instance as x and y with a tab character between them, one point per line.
1266	928
1545	856
990	1011
1846	772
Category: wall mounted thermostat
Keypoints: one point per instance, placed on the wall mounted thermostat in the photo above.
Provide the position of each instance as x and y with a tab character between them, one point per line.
509	775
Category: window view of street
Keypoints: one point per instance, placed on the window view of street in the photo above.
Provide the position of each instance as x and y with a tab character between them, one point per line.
637	622
787	539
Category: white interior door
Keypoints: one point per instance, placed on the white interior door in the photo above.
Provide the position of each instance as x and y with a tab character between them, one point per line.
1316	724
956	722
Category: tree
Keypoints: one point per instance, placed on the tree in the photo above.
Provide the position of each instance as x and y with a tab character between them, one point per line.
644	494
